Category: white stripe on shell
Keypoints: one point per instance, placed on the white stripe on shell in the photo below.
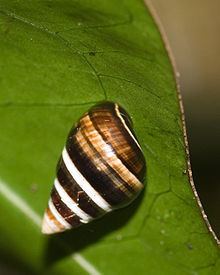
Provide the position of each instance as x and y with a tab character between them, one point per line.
57	215
83	183
125	125
68	201
49	226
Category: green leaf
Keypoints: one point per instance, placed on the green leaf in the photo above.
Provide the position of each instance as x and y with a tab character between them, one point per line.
57	59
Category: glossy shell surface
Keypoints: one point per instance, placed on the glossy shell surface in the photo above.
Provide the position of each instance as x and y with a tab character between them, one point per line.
102	168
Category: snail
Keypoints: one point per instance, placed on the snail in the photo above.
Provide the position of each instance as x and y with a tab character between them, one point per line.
102	168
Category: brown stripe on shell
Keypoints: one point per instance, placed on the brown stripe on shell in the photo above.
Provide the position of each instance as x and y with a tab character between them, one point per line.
89	148
76	193
93	174
128	122
112	130
63	210
115	168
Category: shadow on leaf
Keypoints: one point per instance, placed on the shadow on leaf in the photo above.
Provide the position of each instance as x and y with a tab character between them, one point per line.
69	242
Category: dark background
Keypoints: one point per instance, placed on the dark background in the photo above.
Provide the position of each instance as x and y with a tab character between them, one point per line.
193	30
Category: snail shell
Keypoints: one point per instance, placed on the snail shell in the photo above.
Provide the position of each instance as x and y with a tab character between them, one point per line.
102	168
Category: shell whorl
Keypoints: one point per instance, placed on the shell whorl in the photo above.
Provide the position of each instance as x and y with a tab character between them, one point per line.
101	168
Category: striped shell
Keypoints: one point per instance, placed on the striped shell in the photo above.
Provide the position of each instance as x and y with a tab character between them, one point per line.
102	168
